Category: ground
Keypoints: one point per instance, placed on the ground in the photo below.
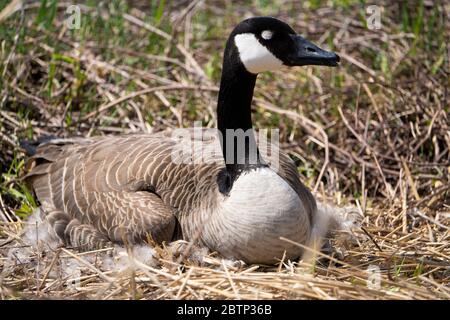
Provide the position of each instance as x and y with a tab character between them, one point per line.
372	135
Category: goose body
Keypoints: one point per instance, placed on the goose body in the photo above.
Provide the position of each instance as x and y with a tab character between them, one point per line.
127	189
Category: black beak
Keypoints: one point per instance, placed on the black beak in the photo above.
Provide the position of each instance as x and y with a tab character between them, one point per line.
307	53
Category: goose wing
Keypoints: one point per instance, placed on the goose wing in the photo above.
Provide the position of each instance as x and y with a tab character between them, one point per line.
100	189
288	171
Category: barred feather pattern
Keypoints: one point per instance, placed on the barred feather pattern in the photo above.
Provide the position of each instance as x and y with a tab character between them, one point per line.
128	189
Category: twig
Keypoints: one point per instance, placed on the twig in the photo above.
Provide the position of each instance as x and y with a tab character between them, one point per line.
107	106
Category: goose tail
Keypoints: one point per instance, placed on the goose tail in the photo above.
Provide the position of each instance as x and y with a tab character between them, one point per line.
30	146
329	219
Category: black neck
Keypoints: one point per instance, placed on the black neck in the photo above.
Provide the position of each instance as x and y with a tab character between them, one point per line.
234	113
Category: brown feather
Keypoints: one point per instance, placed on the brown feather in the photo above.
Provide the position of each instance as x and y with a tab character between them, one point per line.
124	189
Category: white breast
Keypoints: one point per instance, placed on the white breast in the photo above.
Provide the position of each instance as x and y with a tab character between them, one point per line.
260	209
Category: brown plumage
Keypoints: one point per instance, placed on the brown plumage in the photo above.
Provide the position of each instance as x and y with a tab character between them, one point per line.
124	189
128	189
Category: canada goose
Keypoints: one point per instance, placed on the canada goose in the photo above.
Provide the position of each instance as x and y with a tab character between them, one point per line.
123	189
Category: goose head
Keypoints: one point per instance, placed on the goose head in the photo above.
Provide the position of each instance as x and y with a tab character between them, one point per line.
256	45
268	44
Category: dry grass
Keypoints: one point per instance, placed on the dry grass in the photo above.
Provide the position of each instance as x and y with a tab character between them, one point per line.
373	134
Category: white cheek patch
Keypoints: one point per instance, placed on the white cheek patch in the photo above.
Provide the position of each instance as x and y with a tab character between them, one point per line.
255	57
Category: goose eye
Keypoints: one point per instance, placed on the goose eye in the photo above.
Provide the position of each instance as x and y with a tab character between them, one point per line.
267	34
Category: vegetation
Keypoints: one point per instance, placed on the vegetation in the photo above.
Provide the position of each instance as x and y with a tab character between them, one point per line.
373	134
